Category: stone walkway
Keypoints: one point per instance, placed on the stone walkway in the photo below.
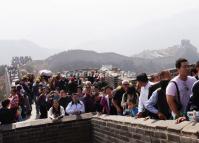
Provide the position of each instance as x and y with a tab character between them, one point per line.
33	114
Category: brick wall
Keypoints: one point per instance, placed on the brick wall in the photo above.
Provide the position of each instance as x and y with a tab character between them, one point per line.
100	129
120	129
73	129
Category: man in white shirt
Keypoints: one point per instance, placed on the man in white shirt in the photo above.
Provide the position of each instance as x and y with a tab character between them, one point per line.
75	107
178	91
144	83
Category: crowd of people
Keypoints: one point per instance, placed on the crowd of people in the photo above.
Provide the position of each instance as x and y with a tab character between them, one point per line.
163	97
20	61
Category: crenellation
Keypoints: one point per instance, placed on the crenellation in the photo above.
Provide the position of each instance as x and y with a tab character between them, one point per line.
99	129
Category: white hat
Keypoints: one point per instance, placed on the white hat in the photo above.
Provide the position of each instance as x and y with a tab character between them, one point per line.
125	82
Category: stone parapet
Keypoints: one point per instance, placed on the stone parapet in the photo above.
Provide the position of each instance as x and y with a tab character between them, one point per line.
90	128
128	129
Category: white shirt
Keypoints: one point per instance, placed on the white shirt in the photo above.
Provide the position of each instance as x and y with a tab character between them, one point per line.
143	97
72	107
184	89
51	115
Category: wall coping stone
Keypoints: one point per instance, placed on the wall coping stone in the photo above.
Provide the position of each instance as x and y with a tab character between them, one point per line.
186	127
40	122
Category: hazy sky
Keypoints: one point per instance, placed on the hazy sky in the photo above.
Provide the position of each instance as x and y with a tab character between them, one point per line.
122	26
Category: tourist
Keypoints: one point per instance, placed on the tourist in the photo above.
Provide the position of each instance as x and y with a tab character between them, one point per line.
88	99
65	99
7	116
131	109
193	104
129	94
56	111
75	107
178	91
144	83
117	96
157	103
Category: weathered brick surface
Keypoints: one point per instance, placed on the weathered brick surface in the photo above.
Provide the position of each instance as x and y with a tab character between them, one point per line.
113	129
73	129
100	129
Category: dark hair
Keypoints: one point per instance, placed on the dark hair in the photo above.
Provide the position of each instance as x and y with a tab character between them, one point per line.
131	101
106	87
14	89
80	87
193	70
57	113
164	73
19	87
179	61
131	90
5	103
142	77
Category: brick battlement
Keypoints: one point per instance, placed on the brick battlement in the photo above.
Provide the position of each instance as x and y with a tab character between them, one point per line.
89	128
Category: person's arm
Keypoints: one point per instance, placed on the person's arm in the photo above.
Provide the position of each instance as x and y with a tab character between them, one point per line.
82	109
123	102
151	102
171	92
140	105
172	105
50	114
116	106
62	111
69	109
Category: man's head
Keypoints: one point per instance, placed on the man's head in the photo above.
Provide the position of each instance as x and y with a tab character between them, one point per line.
13	90
182	66
75	98
62	93
142	79
88	89
155	78
125	84
55	100
79	90
108	90
165	75
5	103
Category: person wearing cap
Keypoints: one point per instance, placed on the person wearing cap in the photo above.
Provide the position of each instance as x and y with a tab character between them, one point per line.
56	111
144	83
75	107
117	97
